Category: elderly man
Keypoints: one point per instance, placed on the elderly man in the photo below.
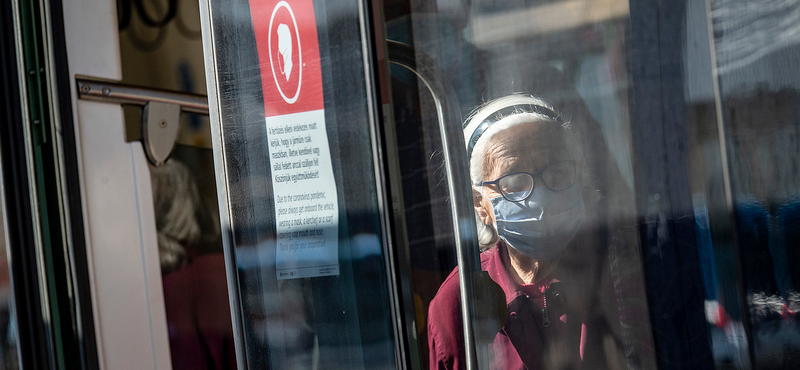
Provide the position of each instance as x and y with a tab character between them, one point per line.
536	218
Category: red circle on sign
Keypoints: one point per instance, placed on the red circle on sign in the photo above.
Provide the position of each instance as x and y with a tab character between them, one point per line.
285	54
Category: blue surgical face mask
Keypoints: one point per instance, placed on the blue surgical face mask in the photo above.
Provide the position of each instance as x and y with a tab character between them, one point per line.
542	225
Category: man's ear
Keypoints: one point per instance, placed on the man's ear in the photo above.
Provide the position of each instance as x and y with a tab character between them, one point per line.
480	204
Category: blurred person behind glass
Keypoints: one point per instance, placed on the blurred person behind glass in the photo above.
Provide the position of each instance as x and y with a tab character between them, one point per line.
195	283
544	227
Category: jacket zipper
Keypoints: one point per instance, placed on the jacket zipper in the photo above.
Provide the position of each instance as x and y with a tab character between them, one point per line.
545	318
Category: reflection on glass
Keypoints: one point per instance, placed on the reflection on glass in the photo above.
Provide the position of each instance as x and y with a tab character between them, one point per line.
542	82
192	263
746	137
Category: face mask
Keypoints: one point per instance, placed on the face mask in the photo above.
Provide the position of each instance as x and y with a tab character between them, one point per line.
542	225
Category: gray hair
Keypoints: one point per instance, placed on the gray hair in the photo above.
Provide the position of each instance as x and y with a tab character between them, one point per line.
176	200
487	234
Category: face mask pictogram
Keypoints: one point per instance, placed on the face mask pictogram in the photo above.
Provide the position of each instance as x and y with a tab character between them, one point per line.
285	50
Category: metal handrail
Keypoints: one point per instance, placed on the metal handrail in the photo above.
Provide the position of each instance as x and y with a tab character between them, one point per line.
114	92
458	180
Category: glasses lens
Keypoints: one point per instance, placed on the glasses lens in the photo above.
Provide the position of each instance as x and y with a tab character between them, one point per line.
516	186
559	176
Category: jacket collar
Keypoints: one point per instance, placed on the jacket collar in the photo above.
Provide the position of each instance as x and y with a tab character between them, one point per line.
497	269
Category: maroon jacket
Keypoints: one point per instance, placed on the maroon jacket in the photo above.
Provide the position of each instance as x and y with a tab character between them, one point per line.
199	316
525	342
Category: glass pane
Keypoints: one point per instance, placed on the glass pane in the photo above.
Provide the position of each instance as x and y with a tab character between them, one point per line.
746	130
682	119
192	262
303	208
540	82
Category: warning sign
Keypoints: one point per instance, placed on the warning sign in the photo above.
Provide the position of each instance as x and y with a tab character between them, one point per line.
306	206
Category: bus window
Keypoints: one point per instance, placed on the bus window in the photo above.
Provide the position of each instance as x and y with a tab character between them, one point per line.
547	133
301	200
742	101
661	141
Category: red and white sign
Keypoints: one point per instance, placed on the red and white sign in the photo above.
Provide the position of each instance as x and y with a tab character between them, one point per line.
304	188
288	53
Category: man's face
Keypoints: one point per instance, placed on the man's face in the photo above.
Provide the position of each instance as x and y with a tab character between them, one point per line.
527	147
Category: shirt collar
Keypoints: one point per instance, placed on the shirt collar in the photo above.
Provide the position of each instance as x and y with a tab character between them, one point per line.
497	269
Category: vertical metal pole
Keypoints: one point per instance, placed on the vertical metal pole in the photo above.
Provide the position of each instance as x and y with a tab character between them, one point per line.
458	181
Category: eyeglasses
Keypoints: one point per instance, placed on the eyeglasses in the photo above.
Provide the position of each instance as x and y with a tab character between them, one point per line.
518	186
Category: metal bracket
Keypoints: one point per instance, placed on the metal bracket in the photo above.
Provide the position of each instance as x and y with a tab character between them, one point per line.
160	116
160	124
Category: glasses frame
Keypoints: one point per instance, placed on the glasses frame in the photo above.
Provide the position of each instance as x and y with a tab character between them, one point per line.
533	180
